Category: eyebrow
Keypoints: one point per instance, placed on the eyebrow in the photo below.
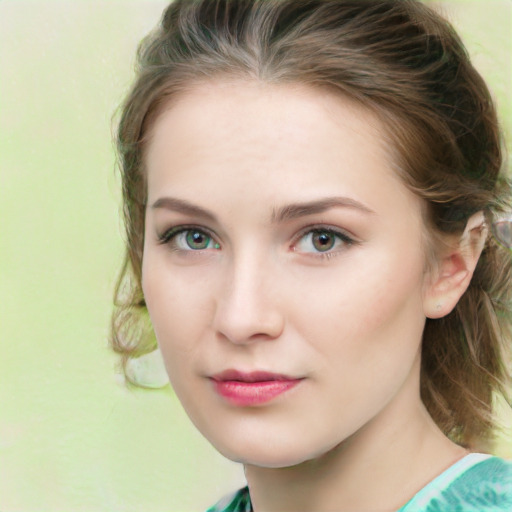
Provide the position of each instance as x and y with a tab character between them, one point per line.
181	206
296	210
286	213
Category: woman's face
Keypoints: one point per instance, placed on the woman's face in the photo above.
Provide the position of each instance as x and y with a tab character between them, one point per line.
283	269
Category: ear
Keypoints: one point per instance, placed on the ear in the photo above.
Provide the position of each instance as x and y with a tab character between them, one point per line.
455	269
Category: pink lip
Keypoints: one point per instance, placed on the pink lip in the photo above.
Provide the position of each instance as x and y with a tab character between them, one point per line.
253	388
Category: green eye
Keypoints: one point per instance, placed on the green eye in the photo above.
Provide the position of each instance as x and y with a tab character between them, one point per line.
197	240
183	238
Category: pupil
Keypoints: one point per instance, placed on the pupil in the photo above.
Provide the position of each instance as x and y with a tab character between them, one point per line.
323	241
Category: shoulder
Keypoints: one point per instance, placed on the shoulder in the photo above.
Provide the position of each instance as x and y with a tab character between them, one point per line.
236	502
480	485
485	486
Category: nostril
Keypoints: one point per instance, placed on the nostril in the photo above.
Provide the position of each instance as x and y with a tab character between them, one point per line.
244	324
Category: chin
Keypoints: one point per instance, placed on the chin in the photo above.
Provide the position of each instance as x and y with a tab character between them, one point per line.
265	458
270	453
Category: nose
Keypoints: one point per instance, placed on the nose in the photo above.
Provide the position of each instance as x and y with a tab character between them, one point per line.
247	308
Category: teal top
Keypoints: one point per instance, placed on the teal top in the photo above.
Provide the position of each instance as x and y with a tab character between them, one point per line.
476	483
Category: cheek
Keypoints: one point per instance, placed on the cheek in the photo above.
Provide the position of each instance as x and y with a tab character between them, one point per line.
374	305
394	302
179	312
178	304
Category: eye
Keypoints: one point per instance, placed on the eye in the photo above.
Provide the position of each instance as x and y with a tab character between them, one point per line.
323	241
188	239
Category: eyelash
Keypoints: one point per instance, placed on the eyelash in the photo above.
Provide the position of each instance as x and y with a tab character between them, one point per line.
345	239
169	238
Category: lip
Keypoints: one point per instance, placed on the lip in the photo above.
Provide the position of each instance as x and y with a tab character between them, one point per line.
247	389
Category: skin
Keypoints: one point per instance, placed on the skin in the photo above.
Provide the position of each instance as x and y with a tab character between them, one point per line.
353	434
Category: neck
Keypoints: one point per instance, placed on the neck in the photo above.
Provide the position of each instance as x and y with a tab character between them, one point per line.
377	469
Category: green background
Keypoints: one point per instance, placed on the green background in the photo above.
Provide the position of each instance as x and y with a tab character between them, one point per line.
73	436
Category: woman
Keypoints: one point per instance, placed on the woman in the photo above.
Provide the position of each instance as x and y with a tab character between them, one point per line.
308	189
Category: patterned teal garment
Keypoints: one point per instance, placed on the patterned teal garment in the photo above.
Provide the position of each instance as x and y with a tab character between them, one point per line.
238	502
476	483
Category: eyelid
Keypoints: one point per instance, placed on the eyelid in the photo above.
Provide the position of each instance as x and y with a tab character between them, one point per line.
347	238
326	227
168	235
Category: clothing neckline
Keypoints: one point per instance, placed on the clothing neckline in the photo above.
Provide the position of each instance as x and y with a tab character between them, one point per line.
443	480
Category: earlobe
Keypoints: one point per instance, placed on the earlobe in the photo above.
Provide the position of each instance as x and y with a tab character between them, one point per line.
455	269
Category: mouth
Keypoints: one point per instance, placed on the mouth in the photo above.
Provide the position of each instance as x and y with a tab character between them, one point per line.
247	389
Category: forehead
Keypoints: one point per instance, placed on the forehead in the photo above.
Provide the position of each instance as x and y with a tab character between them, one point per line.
272	143
225	119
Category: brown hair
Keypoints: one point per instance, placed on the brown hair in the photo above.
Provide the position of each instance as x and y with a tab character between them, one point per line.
405	63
